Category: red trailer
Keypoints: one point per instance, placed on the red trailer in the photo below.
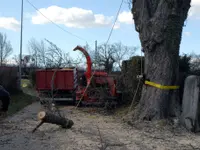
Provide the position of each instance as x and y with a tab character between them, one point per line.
89	87
59	83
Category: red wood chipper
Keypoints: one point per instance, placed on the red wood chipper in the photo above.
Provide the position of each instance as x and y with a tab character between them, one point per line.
94	87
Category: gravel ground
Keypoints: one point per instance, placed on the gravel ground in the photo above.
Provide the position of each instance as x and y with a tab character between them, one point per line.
91	131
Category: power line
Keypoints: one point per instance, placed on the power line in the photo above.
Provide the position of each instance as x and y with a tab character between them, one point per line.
115	21
106	45
55	23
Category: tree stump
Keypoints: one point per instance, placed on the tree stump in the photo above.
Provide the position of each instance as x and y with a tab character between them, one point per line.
47	117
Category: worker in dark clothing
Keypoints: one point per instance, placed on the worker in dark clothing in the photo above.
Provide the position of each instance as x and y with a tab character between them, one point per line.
4	101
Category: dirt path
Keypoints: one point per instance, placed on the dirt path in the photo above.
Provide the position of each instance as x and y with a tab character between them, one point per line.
90	132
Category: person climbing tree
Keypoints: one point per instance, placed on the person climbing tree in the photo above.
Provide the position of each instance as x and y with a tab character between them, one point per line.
159	24
5	101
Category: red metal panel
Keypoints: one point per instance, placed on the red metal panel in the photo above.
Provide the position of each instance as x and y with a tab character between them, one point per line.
63	80
49	76
59	80
40	80
69	80
100	73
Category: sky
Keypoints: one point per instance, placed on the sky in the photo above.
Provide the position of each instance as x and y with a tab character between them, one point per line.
90	20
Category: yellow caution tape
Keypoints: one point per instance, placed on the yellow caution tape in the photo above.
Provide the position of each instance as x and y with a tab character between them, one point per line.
163	87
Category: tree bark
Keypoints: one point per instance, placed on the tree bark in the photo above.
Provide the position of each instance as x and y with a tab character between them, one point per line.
159	23
51	118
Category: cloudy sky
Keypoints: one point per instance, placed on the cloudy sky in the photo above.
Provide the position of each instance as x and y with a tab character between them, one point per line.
88	19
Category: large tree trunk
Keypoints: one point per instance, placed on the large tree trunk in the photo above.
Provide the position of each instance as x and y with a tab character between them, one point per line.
159	23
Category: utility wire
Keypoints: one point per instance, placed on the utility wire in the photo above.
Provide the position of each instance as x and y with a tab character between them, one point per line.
55	23
111	31
115	21
106	44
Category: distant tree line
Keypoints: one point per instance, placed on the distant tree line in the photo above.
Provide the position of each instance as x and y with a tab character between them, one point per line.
46	54
110	56
190	64
5	49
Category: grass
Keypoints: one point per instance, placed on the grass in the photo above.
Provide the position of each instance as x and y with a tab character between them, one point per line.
26	83
122	111
28	88
22	99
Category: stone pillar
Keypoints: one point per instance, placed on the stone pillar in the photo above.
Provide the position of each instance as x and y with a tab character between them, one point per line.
190	117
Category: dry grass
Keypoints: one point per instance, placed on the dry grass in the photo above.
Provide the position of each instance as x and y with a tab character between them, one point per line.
111	133
22	99
19	101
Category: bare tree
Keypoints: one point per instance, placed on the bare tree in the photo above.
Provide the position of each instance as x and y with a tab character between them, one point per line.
38	52
5	48
16	59
111	55
54	56
159	24
68	61
47	54
123	52
105	57
26	60
195	62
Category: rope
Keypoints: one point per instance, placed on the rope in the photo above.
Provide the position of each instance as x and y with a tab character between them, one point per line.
85	90
105	48
141	71
52	92
55	23
114	22
134	97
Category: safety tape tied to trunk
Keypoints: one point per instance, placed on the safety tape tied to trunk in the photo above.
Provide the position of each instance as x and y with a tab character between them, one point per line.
163	87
